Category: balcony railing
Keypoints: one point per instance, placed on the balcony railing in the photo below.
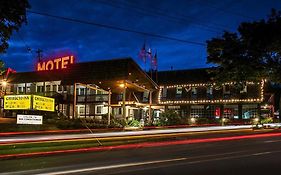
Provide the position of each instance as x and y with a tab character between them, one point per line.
93	98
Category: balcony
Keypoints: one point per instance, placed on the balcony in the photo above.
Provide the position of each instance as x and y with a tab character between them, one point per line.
93	98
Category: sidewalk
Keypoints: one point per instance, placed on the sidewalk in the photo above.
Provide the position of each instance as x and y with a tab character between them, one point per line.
37	138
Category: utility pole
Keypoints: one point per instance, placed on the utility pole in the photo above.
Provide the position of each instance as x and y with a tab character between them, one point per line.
39	55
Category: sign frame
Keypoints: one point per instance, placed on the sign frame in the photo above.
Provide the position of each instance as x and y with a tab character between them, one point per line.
17	102
29	119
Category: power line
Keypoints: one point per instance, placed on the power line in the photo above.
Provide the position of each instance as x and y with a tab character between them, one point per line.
157	12
28	48
116	28
225	11
180	16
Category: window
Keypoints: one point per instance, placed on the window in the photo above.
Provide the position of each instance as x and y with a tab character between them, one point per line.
226	91
82	91
60	88
20	89
244	90
99	110
48	88
249	111
164	92
197	111
28	89
82	110
39	88
55	88
119	97
178	91
145	97
193	93
210	92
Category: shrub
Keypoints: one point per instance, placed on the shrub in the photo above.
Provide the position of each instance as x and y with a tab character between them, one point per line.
134	123
266	120
118	123
170	118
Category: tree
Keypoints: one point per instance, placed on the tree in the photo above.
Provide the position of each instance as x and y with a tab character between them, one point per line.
251	54
12	15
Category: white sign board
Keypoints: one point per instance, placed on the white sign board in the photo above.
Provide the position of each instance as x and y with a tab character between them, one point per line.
30	119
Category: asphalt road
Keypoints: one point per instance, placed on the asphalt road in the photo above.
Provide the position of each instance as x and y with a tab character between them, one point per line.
247	156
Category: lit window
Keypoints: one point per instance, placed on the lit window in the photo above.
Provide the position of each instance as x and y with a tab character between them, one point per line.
145	97
194	91
179	90
28	89
244	90
82	110
210	90
82	91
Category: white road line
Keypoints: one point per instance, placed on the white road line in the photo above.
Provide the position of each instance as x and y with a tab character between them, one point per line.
272	141
263	153
112	166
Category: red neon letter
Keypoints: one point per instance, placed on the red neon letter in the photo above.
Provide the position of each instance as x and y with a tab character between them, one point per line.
40	67
57	61
64	62
50	65
71	59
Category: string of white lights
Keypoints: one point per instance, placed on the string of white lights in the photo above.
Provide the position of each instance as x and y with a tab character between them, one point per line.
234	100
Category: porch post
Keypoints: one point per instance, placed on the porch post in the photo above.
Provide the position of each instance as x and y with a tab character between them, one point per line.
149	110
74	100
86	95
109	108
123	104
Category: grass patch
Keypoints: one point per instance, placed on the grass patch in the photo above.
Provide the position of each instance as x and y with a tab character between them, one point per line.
12	127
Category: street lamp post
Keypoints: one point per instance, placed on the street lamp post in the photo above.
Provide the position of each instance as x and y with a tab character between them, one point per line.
4	84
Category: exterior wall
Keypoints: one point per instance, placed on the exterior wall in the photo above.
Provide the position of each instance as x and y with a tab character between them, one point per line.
209	101
210	94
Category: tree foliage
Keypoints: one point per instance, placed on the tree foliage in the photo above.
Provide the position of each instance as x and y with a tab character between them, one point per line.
253	53
12	15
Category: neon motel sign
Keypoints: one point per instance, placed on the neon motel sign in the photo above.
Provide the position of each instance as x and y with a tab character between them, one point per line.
55	64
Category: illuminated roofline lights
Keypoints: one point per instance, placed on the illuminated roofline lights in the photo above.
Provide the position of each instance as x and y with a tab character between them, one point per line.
260	99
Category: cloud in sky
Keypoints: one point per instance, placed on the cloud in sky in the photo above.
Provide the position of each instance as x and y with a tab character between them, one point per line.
194	20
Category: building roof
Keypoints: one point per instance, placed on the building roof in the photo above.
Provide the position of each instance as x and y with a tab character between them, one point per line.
187	76
105	73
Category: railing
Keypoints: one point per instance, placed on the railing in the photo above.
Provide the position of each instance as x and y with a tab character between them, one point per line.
93	98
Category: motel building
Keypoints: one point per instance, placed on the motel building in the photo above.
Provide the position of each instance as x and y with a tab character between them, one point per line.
119	88
99	90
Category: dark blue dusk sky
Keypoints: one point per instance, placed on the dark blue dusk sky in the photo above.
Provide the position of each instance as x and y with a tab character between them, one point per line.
192	20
